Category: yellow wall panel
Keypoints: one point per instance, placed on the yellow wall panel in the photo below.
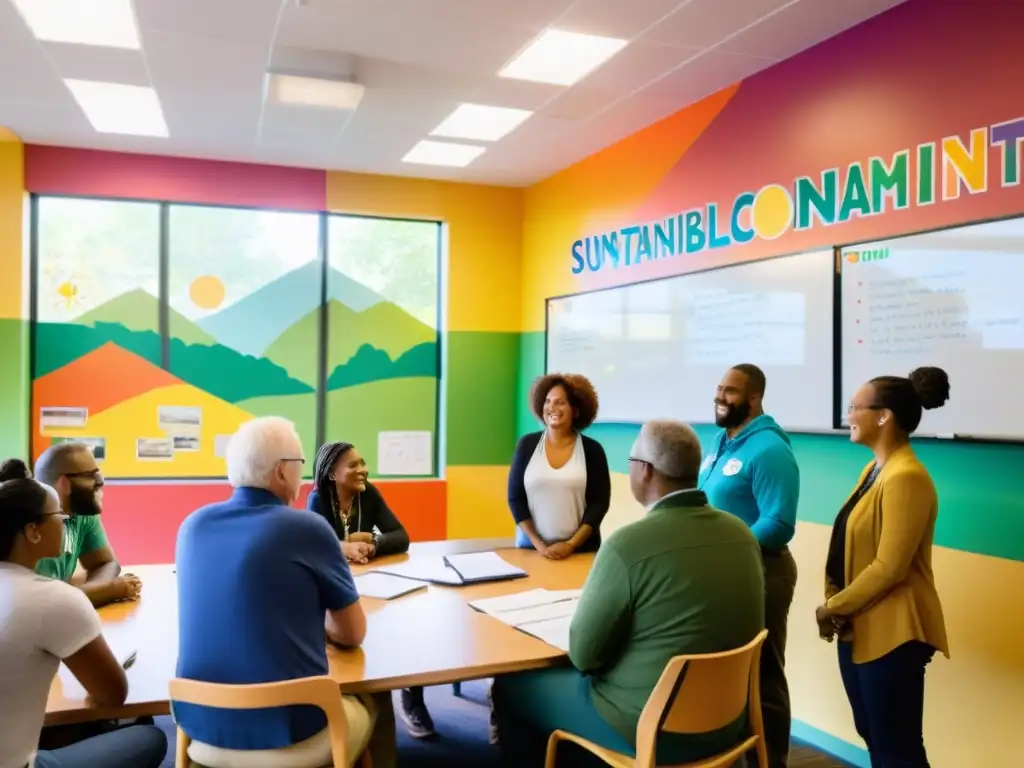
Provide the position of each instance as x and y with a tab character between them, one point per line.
476	503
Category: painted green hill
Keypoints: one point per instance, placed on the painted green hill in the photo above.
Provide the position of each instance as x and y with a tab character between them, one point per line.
215	369
384	326
137	310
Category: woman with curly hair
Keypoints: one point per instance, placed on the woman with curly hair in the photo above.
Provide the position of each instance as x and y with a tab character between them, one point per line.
880	591
559	488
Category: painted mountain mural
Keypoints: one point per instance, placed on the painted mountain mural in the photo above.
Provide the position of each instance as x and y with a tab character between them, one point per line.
256	357
384	326
139	311
251	324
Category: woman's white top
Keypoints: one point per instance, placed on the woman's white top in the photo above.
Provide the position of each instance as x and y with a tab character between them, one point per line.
41	622
556	497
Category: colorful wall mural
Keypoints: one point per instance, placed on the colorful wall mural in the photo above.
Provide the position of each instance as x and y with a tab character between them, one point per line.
159	385
798	152
228	327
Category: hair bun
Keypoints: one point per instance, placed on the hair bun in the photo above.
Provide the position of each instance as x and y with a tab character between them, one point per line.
14	469
931	385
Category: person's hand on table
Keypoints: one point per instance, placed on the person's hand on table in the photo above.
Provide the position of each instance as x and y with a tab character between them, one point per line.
361	537
357	551
129	586
559	550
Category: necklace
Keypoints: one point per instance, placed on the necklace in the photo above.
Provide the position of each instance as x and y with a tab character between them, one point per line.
344	516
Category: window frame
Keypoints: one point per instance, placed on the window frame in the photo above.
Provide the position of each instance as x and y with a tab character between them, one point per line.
323	259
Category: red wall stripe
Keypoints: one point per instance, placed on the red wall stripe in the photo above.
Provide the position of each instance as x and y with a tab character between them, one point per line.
94	173
142	521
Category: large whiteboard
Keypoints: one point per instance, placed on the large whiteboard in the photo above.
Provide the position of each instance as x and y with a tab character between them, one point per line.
659	349
951	299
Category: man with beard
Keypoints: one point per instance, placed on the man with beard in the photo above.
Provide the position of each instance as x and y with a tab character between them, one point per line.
70	469
751	472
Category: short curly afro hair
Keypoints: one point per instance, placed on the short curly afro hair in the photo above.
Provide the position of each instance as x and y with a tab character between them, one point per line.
580	392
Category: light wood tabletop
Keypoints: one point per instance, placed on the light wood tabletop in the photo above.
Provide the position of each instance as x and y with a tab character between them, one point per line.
428	637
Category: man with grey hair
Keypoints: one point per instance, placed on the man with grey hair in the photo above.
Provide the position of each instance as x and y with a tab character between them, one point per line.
258	584
684	579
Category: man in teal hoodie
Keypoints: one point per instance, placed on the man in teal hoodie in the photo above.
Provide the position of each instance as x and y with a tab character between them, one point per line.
750	471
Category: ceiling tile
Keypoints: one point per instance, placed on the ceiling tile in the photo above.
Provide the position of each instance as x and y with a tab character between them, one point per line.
105	65
703	23
244	21
527	13
430	41
615	18
518	94
802	25
202	64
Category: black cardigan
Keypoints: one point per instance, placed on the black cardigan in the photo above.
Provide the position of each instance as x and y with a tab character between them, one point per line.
598	493
373	512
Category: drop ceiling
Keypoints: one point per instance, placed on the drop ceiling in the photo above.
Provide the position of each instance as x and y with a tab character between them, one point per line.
418	60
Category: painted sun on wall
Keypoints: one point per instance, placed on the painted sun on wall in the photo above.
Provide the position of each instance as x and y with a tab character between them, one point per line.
156	371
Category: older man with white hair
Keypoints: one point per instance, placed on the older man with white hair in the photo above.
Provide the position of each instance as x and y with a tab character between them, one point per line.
685	578
258	585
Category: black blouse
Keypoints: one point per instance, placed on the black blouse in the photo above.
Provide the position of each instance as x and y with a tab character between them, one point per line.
368	512
835	565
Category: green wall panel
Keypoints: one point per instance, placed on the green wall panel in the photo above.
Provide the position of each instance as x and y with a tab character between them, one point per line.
14	389
481	397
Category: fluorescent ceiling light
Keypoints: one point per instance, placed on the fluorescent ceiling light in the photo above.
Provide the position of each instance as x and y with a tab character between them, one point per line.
315	92
562	58
109	23
475	121
125	109
441	153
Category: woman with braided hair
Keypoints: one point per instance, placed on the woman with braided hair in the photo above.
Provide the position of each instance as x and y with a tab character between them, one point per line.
366	528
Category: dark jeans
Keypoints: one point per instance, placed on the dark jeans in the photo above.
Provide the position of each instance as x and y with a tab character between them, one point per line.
137	746
887	698
779	585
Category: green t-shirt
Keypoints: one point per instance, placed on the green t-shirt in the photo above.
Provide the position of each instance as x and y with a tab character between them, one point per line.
82	534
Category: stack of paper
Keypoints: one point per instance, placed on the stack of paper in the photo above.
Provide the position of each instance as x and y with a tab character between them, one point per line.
545	614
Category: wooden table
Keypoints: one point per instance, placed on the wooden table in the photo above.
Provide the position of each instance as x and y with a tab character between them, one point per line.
428	637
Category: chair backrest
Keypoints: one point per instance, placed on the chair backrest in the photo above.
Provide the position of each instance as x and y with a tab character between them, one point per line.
322	692
702	693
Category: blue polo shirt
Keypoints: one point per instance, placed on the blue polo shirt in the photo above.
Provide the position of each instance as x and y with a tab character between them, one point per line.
255	578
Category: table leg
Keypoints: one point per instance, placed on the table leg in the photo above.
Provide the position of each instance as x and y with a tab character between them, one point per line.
383	745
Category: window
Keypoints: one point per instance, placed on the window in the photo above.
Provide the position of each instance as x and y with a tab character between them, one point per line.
96	340
244	295
160	328
382	340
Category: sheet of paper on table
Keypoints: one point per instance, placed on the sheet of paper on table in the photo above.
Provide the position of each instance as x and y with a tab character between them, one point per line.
384	586
546	614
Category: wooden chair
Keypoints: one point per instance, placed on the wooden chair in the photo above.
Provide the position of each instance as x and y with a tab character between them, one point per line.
695	694
320	692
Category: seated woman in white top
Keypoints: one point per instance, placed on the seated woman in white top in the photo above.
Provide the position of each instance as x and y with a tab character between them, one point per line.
559	488
44	622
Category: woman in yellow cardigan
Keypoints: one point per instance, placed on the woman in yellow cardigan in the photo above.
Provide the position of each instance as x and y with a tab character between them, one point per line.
879	588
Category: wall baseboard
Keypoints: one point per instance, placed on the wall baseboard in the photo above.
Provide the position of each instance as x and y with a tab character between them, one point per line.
826	742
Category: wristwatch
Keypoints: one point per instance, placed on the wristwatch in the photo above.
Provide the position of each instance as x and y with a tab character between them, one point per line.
376	538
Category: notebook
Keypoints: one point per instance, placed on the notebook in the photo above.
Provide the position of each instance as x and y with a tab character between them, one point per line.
433	570
384	586
476	567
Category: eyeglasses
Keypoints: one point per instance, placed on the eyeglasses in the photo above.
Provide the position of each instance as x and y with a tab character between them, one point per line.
301	461
639	461
853	408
